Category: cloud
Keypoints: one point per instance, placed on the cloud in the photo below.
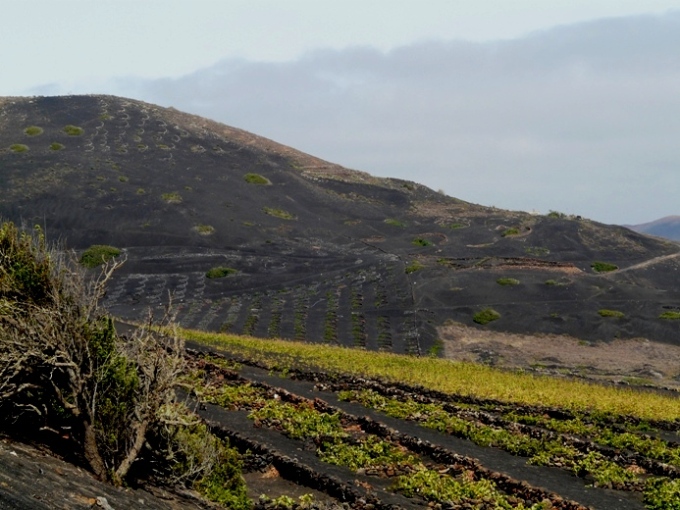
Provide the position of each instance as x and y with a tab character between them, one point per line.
582	118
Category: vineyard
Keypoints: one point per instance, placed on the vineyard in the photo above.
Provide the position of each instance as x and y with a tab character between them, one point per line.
360	305
360	436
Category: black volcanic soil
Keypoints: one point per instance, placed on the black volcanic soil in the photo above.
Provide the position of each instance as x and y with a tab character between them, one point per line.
323	253
32	479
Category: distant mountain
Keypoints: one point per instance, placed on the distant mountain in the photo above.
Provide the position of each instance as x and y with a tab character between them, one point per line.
668	227
318	252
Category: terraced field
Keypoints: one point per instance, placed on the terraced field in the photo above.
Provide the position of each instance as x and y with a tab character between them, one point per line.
356	303
338	438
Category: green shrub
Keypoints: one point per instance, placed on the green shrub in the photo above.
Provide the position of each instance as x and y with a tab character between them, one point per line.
456	226
252	178
485	316
419	241
395	223
141	191
454	492
18	147
172	198
671	316
556	214
220	272
278	213
436	349
33	131
611	313
61	358
123	178
537	251
201	460
27	277
551	282
413	267
224	483
204	230
662	494
98	254
56	146
285	502
603	267
72	130
510	232
507	281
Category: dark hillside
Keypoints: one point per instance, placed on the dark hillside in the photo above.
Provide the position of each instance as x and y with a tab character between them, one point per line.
668	227
320	252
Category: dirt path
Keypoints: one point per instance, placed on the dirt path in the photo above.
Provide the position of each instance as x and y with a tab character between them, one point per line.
643	265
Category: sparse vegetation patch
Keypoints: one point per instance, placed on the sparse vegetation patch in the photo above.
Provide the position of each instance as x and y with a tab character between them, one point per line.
278	213
220	272
510	232
670	316
395	222
172	198
413	267
507	281
611	313
72	130
18	147
419	241
33	131
485	316
603	267
98	254
252	178
204	230
537	251
55	146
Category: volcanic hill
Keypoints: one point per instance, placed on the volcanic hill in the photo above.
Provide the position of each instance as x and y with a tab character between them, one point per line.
668	227
319	252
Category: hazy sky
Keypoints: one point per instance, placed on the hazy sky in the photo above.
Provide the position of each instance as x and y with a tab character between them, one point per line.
547	104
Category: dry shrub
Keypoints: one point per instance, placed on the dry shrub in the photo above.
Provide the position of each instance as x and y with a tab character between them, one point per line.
62	360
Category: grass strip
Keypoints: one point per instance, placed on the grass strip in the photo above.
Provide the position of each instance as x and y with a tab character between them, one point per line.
445	375
541	452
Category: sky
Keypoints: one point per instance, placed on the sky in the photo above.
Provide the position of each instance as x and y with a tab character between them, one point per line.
541	105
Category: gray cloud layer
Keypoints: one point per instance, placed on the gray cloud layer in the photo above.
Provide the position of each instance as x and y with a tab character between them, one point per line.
584	119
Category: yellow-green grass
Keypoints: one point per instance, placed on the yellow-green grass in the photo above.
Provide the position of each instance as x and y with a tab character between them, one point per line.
446	376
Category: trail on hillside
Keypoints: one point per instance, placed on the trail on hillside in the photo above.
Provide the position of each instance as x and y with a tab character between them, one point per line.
643	265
